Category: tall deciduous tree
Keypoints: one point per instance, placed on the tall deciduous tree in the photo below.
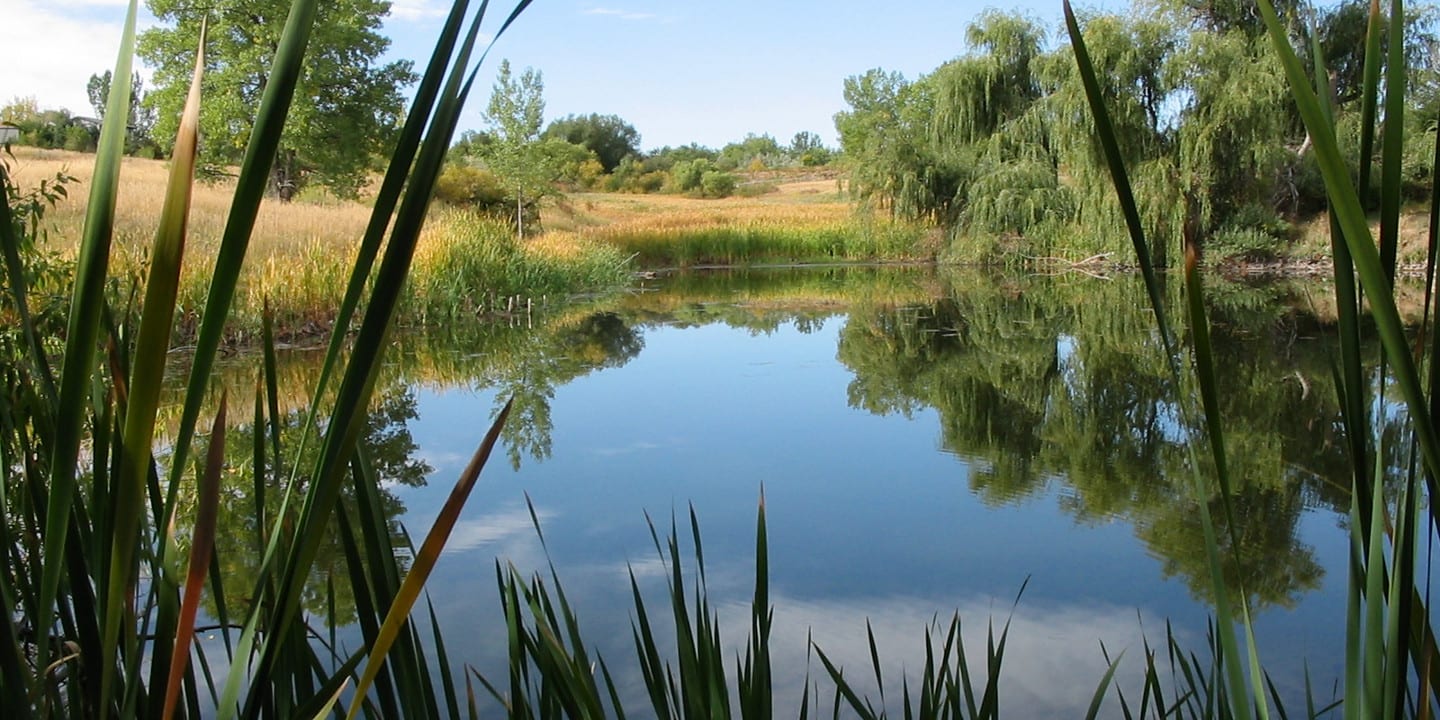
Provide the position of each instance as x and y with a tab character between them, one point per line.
142	115
608	136
346	109
515	113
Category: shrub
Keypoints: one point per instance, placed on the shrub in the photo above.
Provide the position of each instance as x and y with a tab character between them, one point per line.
717	184
78	138
686	175
472	187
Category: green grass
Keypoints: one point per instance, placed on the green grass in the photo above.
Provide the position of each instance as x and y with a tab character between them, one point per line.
102	572
760	244
475	265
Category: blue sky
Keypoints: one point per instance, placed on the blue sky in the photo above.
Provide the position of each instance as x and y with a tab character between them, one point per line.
679	71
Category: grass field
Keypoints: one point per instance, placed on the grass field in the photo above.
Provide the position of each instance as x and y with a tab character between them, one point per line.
802	219
301	252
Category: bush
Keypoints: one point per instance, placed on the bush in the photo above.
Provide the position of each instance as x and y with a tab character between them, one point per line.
78	138
1234	244
471	187
717	184
756	189
686	175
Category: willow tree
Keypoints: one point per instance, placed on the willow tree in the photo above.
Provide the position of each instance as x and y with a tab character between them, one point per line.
989	102
344	114
1133	56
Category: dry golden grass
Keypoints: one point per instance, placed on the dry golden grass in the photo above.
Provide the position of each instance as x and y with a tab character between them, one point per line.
300	253
800	204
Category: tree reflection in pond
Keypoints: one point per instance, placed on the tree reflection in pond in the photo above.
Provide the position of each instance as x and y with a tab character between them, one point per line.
249	506
1042	384
1043	387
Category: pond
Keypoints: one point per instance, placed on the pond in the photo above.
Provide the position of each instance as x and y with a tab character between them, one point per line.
925	442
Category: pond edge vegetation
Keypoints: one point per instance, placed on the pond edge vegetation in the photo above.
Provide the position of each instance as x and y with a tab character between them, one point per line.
107	550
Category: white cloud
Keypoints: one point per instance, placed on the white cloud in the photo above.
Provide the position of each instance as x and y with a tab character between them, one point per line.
50	53
491	529
622	14
412	10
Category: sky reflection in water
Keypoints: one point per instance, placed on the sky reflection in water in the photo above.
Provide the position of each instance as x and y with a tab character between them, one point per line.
899	517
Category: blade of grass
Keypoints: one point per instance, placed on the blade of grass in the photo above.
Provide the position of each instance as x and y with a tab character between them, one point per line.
358	382
201	545
83	328
425	560
250	188
1352	219
1393	140
1098	698
149	356
1239	706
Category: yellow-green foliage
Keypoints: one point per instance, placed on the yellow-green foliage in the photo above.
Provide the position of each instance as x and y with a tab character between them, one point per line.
302	252
467	261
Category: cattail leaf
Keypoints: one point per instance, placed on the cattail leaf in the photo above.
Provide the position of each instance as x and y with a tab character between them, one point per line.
82	334
425	560
201	546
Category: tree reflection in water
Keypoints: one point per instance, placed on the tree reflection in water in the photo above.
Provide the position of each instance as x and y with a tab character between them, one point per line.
1043	387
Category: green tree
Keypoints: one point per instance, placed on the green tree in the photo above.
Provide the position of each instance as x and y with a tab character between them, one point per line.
883	138
345	112
515	153
142	115
608	136
809	149
755	149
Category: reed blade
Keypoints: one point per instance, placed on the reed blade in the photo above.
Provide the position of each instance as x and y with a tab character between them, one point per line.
83	330
148	359
201	547
425	560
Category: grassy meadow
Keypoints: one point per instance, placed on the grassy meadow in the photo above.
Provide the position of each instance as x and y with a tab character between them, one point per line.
465	263
800	218
302	252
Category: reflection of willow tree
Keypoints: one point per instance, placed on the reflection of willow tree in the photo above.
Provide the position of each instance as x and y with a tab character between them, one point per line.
241	529
1049	381
1269	560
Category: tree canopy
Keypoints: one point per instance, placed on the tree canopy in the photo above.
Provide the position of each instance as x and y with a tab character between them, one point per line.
608	136
997	144
142	115
345	112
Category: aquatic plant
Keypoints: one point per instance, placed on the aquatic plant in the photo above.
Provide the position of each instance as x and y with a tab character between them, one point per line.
1390	649
103	573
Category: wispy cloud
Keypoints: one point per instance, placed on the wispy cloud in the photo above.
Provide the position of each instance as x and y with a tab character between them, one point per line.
416	9
622	14
89	30
492	529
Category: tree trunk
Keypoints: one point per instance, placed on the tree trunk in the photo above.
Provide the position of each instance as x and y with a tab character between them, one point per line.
282	175
520	212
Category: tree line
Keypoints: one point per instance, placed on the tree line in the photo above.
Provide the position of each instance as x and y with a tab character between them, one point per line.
518	159
996	145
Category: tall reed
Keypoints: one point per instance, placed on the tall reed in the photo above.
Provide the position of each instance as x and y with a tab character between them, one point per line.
97	608
1390	651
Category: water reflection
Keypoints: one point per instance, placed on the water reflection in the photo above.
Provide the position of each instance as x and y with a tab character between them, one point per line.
1060	383
249	506
1045	396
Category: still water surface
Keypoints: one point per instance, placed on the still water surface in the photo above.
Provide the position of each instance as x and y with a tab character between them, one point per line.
925	443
